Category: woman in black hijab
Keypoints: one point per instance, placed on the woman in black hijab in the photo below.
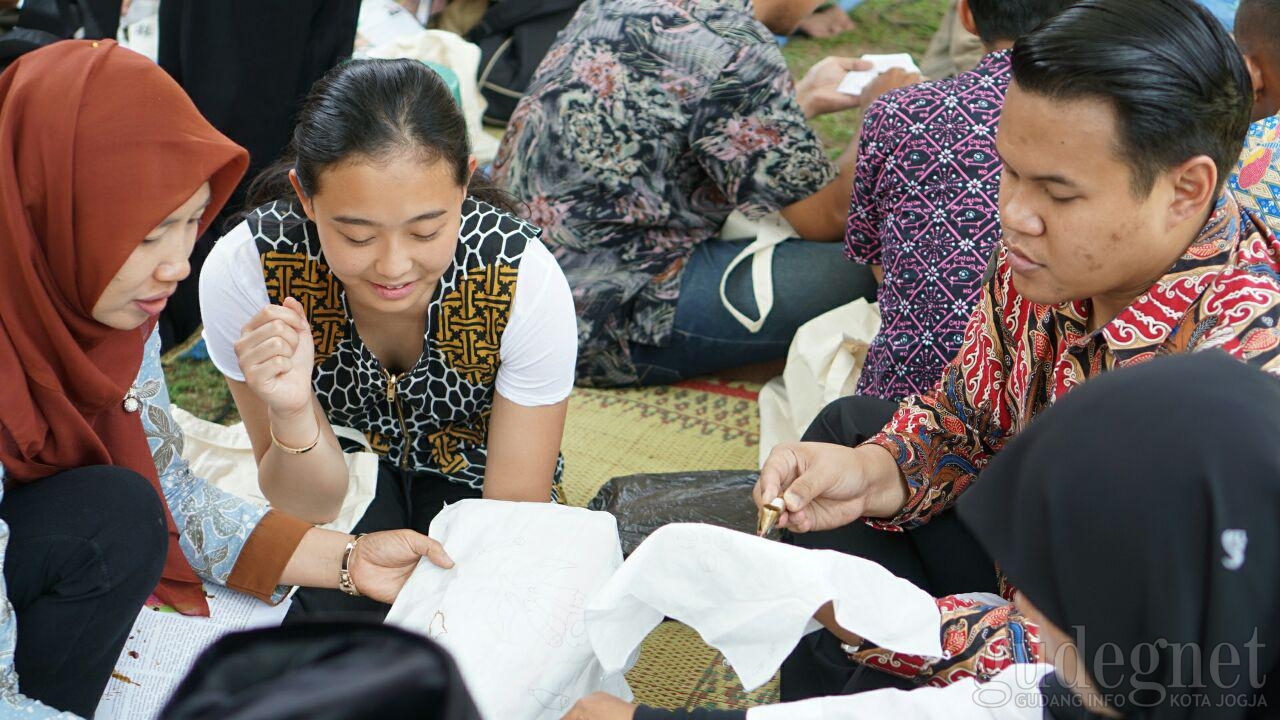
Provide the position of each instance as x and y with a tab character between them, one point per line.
1140	520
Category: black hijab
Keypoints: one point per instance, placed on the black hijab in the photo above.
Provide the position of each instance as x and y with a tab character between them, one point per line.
332	670
1145	506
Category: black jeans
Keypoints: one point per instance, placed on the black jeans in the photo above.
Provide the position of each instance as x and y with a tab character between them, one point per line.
86	548
403	499
941	557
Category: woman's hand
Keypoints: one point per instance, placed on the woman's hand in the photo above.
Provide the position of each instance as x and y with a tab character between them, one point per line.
601	706
383	561
276	357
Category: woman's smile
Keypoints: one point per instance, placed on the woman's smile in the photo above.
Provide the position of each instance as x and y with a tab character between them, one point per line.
397	291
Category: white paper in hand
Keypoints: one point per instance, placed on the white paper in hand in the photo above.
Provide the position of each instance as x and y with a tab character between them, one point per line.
511	610
753	599
856	81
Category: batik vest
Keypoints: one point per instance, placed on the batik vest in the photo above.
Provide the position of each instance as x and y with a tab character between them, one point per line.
433	418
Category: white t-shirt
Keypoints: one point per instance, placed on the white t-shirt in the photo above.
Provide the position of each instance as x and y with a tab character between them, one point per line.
539	345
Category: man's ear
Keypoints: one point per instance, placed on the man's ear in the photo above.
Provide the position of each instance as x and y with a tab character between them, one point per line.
1195	185
965	15
303	197
1256	76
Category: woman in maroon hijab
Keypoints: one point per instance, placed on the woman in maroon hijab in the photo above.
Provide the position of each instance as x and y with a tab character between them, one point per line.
108	175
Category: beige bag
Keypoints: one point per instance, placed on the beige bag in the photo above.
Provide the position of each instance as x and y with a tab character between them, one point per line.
766	233
223	456
824	362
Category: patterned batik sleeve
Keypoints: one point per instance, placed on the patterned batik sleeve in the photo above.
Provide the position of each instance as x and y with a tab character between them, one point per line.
943	438
1244	305
866	214
213	525
751	137
982	634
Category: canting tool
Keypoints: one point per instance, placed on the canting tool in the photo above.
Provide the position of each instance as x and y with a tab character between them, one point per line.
768	516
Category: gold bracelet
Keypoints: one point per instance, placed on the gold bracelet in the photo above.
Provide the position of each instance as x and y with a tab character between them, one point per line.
345	583
293	450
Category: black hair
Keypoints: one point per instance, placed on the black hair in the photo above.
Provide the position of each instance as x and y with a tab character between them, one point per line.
1009	20
1258	27
371	108
1173	76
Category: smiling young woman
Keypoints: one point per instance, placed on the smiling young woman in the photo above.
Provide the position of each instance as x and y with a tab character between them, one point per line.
378	285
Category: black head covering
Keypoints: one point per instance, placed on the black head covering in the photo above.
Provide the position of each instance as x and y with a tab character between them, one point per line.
1145	507
323	671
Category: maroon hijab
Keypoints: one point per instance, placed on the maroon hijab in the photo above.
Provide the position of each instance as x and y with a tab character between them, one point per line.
97	146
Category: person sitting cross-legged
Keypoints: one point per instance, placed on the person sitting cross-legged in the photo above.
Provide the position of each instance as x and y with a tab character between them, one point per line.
647	124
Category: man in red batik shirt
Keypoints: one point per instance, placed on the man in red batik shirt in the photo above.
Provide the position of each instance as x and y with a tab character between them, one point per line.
1122	122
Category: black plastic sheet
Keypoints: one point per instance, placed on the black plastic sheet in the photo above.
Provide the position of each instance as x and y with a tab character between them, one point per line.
643	503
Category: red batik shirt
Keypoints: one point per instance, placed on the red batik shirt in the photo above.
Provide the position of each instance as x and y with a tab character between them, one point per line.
1018	357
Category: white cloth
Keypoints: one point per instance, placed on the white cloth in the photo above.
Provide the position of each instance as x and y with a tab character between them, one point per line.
753	599
539	346
463	58
1013	694
511	610
824	363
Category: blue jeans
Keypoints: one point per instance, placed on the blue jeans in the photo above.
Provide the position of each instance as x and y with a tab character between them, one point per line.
809	278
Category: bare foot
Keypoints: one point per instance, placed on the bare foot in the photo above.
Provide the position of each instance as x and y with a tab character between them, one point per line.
825	23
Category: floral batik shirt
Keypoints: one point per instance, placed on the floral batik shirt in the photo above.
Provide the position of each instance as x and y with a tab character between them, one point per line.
1257	176
925	207
647	123
1018	357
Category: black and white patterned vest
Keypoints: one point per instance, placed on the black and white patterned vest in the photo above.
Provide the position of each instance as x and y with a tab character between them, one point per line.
434	418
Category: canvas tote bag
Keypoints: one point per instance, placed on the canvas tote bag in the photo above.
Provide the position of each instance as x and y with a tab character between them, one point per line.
824	363
223	455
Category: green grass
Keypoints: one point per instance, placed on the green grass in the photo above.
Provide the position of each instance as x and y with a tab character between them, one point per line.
882	26
197	387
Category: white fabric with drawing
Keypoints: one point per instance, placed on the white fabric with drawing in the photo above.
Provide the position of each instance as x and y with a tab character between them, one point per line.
512	609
